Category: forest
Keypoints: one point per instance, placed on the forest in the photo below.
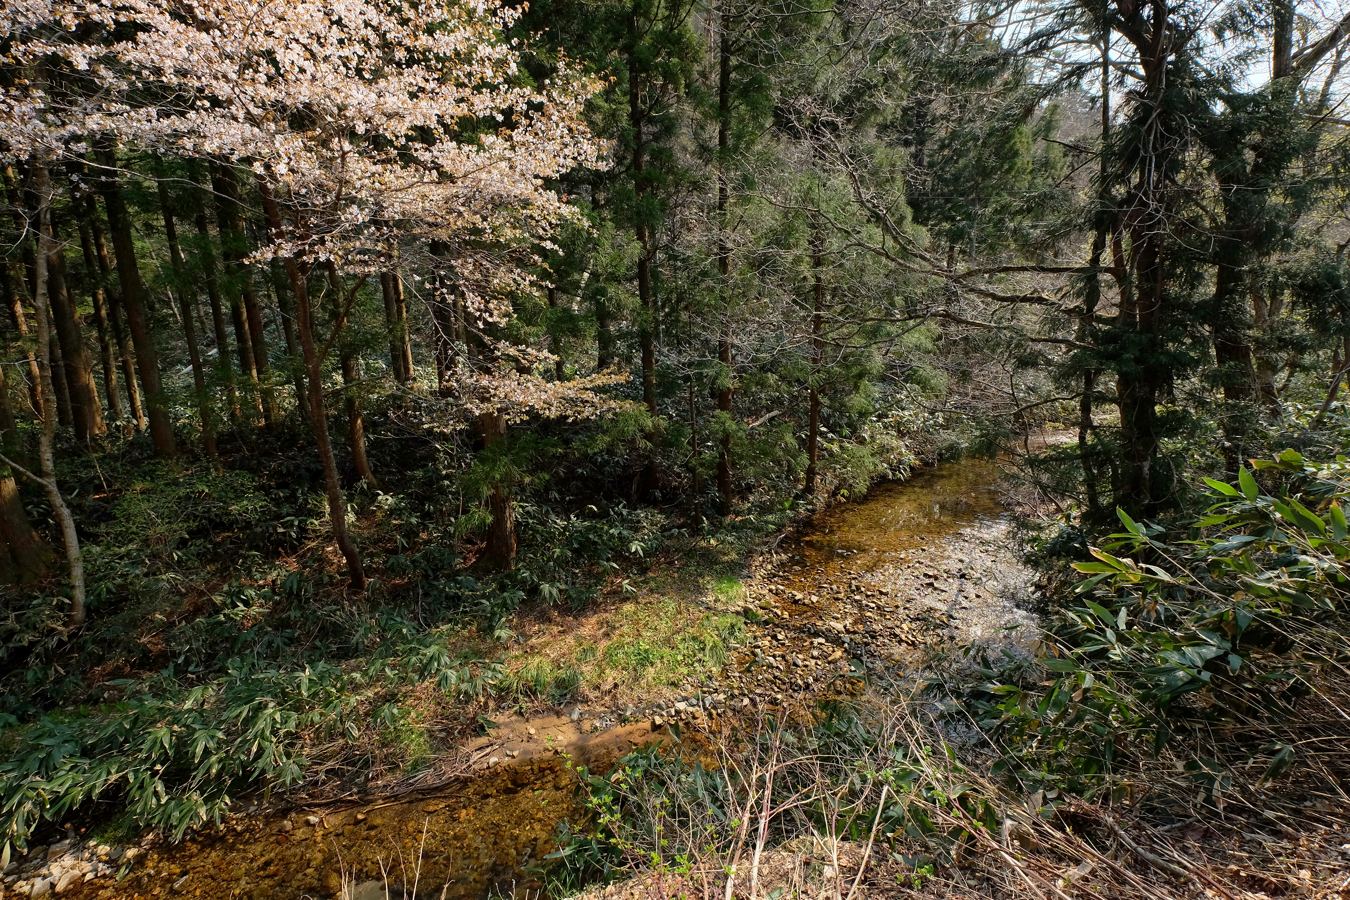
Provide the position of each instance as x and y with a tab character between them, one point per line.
674	448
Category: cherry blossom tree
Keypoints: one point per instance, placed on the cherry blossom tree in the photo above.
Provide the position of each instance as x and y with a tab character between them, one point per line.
372	130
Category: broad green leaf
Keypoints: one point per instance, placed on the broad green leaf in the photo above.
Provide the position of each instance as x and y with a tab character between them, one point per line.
1129	523
1247	482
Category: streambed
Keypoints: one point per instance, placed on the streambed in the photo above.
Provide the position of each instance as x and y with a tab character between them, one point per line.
872	588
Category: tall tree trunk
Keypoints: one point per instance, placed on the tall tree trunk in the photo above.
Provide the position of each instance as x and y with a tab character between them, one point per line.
125	353
64	418
817	358
13	303
24	558
350	364
107	352
239	280
47	433
230	218
641	228
604	335
23	555
726	374
318	414
555	344
502	543
206	260
1145	372
283	298
1266	313
85	411
13	280
396	322
446	324
1092	292
134	299
188	316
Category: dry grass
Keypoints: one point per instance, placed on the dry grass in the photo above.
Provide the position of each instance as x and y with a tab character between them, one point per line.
841	820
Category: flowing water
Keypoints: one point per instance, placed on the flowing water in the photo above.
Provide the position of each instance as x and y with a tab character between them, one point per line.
912	564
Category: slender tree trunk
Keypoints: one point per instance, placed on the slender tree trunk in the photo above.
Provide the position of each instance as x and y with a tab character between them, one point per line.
13	280
206	259
98	300
350	364
24	557
47	433
239	281
394	327
230	218
179	270
817	358
85	411
318	414
125	353
642	229
64	417
726	375
1266	314
447	325
1145	373
555	342
283	297
9	285
134	299
604	336
1092	292
502	544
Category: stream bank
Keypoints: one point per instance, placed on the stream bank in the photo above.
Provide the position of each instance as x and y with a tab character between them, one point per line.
872	588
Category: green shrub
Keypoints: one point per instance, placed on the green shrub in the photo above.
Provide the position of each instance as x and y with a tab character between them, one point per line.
1234	620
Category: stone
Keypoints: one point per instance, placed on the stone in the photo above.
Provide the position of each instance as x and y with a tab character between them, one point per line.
68	880
367	890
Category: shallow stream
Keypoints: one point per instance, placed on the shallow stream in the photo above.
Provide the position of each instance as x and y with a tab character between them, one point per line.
871	583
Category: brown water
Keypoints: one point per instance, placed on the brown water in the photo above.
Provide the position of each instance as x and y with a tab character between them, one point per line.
900	517
483	833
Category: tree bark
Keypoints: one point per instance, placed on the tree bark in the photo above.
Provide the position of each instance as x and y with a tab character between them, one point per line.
641	228
283	298
9	285
239	281
206	258
318	414
134	299
85	411
179	269
125	352
725	382
555	345
230	218
396	322
817	359
13	280
47	432
502	544
24	557
98	300
350	364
